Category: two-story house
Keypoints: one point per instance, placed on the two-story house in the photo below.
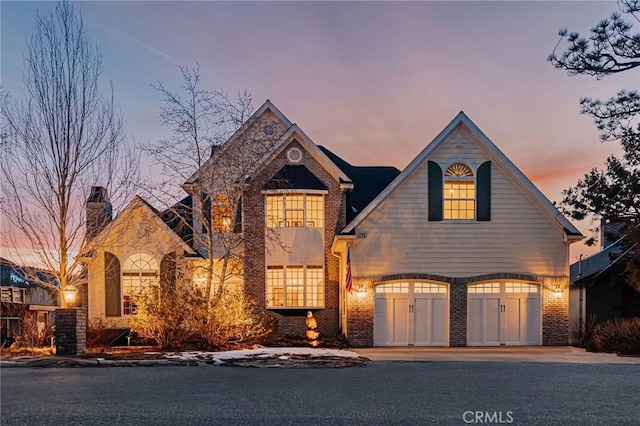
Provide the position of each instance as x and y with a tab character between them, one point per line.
458	249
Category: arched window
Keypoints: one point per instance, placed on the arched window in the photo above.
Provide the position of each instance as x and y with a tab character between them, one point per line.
459	193
138	272
222	210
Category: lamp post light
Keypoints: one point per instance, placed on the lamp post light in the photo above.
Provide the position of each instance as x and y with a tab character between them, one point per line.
70	293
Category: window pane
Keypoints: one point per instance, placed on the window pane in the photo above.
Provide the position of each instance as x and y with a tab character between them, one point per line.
222	210
294	201
295	286
140	271
315	286
274	210
459	199
294	218
315	210
275	286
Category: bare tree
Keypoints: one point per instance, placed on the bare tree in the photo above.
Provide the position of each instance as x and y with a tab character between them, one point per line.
213	149
62	137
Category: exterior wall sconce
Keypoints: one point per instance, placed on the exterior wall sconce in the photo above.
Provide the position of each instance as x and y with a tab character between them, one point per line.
557	292
360	290
70	294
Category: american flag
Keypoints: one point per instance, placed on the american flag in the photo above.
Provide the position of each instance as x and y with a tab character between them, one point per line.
348	283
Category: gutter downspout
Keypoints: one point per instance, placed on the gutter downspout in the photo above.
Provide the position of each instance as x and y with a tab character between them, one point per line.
343	305
580	301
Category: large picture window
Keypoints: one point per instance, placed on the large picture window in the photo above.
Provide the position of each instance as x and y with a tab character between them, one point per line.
139	271
459	193
295	287
295	210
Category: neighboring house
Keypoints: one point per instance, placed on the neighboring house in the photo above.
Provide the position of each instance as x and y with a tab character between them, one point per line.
598	288
20	296
458	249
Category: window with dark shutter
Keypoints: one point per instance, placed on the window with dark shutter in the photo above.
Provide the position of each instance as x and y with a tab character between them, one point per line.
484	191
112	285
435	191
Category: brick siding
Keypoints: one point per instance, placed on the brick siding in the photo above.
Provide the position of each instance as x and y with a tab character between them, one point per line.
293	324
71	331
555	306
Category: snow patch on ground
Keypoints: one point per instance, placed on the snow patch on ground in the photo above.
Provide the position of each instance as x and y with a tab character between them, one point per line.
258	352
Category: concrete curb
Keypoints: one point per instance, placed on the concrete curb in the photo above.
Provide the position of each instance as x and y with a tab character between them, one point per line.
539	354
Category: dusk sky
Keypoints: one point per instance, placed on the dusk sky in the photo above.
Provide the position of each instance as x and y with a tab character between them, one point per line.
374	82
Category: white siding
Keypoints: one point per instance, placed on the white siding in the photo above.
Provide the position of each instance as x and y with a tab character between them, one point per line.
520	238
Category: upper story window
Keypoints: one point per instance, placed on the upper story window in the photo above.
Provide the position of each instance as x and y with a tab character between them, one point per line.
295	210
222	209
139	271
459	198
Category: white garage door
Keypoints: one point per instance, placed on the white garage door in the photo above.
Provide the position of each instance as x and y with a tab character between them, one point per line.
503	313
411	314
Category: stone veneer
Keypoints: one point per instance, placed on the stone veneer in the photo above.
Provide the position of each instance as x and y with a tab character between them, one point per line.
555	310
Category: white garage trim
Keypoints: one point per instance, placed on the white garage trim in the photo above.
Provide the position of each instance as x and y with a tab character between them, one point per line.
504	313
411	313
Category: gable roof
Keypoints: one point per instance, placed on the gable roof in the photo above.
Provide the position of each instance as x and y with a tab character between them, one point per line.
139	202
293	131
179	218
301	137
571	232
216	149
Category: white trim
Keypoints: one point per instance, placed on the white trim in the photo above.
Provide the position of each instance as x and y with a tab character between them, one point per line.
294	191
494	152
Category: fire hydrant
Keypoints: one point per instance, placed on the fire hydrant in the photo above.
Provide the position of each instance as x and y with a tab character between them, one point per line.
312	333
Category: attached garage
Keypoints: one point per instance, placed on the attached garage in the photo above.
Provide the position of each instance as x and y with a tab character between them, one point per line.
503	313
411	314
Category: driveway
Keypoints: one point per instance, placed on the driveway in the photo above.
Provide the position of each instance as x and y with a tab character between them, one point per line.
565	354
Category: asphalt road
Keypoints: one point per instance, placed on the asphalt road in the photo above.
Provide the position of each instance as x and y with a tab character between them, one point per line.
381	393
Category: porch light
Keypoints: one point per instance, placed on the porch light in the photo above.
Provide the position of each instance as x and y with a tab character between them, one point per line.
557	292
70	293
360	291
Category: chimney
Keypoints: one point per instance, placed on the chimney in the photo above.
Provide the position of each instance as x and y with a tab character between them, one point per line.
99	211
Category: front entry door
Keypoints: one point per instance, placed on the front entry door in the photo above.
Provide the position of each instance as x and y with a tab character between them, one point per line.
503	314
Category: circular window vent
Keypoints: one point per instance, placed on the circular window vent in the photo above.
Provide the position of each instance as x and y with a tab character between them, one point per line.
294	155
269	129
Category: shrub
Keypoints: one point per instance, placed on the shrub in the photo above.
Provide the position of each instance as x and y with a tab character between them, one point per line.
101	332
583	336
621	336
179	315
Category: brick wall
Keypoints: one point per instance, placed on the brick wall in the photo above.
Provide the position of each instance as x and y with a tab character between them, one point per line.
458	314
71	331
555	311
555	306
360	313
293	323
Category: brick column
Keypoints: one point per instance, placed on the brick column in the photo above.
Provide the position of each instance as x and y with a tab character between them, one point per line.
555	311
71	331
458	314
